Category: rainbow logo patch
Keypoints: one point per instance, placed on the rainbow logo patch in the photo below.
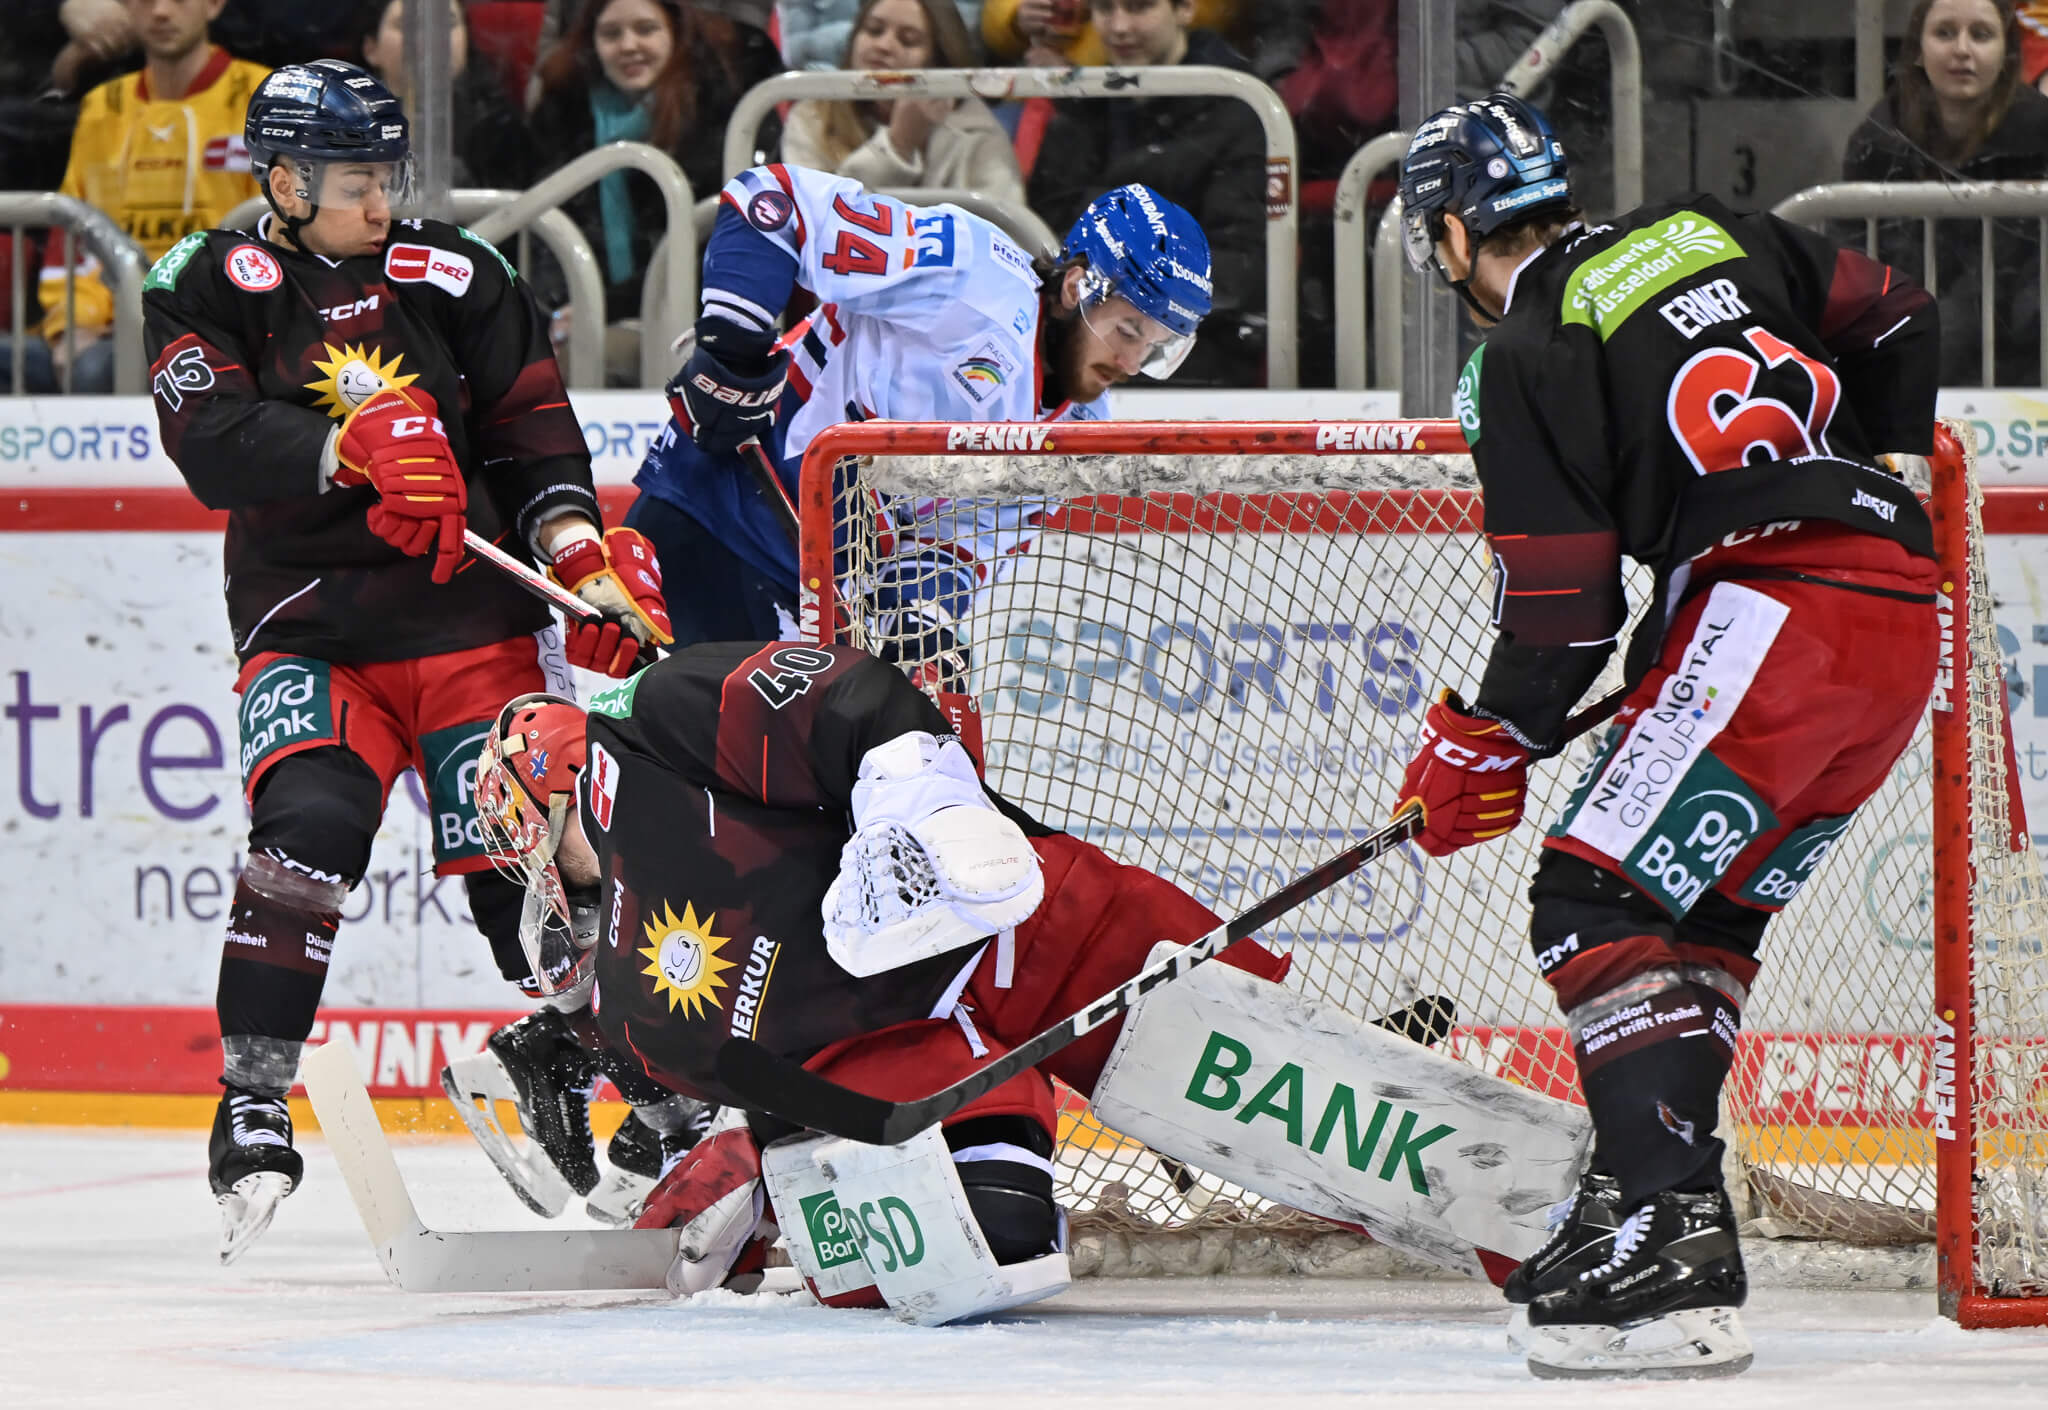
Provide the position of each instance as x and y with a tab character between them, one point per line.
980	376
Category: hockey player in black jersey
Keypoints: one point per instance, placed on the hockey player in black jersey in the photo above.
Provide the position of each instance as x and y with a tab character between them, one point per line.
1709	394
356	390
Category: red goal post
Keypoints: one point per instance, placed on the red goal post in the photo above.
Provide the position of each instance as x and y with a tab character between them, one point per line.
1294	591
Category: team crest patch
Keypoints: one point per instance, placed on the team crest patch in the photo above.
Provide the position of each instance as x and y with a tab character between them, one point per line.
604	786
985	372
254	268
770	210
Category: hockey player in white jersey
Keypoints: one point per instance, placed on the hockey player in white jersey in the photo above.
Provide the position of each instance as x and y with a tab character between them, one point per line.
924	314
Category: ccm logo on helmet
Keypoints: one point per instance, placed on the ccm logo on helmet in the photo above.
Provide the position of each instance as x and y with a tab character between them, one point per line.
423	264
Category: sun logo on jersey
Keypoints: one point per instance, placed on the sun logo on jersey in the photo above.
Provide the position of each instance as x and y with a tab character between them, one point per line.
354	376
683	958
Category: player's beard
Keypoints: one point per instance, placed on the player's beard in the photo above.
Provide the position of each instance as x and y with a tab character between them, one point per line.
1064	331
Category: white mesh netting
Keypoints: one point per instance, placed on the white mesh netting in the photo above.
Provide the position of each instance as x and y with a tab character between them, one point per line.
1213	667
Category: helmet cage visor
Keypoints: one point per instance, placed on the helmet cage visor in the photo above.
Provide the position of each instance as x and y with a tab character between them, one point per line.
1134	338
1419	227
521	838
352	185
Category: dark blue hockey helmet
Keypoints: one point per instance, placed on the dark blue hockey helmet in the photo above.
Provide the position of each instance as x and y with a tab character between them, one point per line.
1146	250
1489	162
327	112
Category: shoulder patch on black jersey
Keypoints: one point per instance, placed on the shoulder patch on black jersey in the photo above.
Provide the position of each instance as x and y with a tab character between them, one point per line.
1465	401
164	273
1610	286
428	264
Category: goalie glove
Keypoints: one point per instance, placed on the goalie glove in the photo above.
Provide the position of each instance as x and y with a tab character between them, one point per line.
714	1195
1470	776
619	576
931	866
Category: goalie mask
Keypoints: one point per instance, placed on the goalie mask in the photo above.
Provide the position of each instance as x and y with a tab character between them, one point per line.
525	800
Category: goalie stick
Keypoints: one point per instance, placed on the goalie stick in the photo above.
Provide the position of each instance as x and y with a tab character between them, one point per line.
418	1259
767	1081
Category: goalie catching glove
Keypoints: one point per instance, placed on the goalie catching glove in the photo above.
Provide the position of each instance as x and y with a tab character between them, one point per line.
395	443
931	866
1470	776
619	576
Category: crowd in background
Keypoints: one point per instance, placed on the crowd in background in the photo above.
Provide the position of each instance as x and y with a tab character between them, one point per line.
134	106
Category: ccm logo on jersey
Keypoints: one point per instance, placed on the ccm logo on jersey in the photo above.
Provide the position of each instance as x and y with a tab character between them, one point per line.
1372	435
423	264
1006	437
341	313
604	786
254	268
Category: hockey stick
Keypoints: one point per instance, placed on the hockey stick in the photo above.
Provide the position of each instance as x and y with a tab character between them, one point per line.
538	583
770	485
767	1081
770	1082
421	1260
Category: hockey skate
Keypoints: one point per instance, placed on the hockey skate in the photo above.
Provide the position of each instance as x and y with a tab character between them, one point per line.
1663	1305
538	1067
1581	1237
250	1164
641	1152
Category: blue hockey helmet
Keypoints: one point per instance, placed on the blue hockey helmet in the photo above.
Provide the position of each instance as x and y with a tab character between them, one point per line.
1489	162
325	113
1146	250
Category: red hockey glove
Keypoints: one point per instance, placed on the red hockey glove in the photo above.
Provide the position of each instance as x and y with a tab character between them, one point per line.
394	443
715	1196
619	576
1470	776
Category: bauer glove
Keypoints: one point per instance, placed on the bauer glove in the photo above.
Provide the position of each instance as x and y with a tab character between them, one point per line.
727	392
619	576
394	442
1470	776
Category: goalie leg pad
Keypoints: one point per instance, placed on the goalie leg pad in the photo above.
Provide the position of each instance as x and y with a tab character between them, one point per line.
821	1243
1307	1104
920	1236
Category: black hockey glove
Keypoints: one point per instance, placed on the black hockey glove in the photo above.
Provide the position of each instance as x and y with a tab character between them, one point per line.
729	385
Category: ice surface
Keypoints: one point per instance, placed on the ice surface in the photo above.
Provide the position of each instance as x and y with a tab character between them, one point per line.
110	1295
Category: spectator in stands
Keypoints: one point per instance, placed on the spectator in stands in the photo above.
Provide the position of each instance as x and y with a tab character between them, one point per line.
1957	111
489	140
909	142
161	152
556	14
1207	154
644	71
278	32
816	34
1057	33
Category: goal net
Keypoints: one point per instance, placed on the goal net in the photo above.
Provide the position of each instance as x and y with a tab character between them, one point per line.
1206	647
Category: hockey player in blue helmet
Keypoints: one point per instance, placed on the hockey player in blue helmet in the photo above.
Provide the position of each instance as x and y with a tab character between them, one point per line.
328	136
1710	394
924	314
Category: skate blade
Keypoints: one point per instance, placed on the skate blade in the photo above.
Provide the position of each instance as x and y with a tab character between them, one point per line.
1518	1328
1696	1344
476	1084
619	1200
247	1209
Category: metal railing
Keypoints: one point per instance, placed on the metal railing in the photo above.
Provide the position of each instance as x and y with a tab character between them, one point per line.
1927	202
1347	212
1389	267
123	267
996	85
1624	80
